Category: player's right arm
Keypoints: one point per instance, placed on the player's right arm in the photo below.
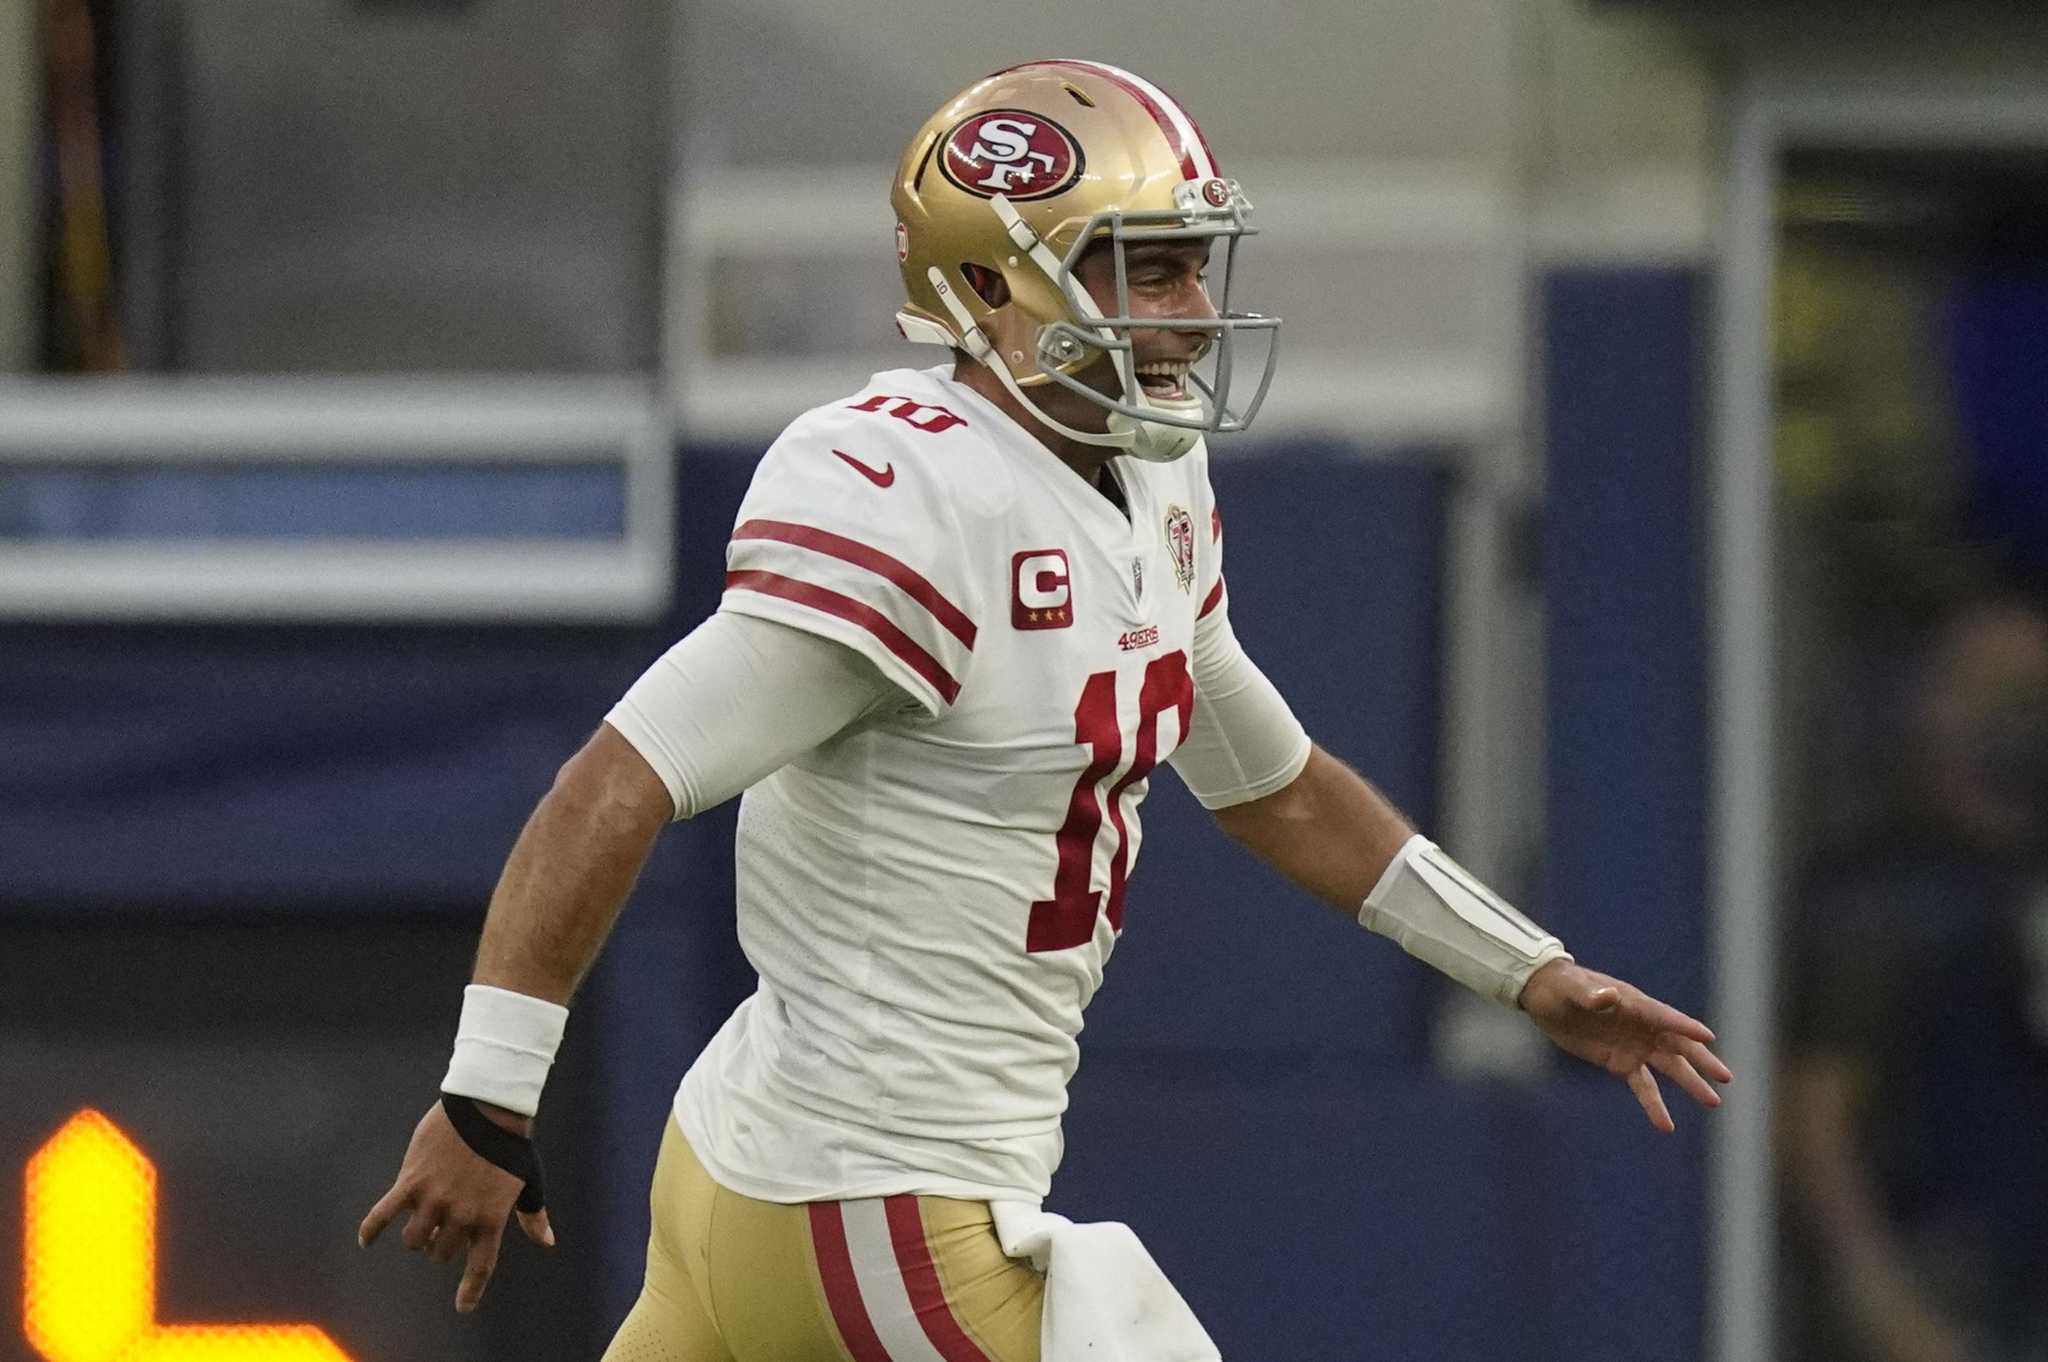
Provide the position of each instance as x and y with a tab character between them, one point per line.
571	869
735	700
848	591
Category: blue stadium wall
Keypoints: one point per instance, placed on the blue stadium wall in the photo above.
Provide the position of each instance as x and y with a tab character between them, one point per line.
1255	1096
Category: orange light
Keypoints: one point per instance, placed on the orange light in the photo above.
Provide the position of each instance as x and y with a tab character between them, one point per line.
89	1263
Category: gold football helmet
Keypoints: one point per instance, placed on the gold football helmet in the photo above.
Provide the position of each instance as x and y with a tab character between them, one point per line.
1019	174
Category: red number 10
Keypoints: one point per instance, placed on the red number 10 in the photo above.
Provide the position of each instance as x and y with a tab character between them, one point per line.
1068	917
938	422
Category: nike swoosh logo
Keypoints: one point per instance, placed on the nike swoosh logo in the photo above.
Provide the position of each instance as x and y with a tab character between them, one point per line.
880	478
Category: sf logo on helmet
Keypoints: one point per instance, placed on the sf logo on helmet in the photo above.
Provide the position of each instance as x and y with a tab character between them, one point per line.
1011	152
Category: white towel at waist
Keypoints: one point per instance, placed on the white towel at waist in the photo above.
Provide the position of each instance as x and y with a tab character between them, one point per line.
1105	1299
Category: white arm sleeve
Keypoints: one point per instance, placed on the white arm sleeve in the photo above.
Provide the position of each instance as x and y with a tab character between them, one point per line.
1244	743
737	699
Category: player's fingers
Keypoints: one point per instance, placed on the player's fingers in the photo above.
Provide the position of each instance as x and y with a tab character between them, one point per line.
476	1272
1644	1085
421	1224
537	1227
451	1241
1703	1059
388	1206
1664	1017
1680	1071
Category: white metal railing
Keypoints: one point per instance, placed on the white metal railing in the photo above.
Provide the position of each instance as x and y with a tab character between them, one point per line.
1461	392
328	423
1742	856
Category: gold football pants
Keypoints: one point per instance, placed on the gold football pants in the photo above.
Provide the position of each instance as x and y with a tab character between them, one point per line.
887	1279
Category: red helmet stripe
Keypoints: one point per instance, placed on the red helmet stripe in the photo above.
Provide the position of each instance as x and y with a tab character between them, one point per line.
1197	162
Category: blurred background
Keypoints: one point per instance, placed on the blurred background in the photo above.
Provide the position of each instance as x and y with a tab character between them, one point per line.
1653	499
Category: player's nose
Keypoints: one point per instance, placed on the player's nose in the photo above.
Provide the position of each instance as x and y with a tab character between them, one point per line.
1196	306
1195	303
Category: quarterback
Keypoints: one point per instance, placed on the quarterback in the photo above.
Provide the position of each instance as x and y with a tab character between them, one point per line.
968	610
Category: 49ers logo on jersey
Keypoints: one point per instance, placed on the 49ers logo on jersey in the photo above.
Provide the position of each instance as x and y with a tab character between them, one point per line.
1020	155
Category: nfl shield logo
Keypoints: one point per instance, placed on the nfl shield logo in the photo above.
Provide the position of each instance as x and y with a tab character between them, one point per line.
1180	542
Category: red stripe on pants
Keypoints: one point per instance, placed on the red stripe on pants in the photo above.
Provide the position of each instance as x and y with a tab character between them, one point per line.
842	1290
927	1297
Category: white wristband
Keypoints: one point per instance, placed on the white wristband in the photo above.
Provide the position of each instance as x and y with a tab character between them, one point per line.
504	1046
1443	916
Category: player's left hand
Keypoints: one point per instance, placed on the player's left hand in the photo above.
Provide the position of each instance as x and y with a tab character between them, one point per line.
1626	1032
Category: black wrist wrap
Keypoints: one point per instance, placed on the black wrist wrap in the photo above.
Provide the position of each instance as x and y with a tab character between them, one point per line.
515	1154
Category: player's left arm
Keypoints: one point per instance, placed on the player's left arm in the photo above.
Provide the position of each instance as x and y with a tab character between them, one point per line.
1332	833
1323	826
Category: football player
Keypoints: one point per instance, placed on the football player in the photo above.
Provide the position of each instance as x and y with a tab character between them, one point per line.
968	610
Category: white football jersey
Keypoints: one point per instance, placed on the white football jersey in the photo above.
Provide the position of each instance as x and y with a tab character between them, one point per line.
929	898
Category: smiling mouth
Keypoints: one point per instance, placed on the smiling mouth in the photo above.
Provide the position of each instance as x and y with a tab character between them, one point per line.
1165	380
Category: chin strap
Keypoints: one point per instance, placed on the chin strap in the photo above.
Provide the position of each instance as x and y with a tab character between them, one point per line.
977	344
1029	242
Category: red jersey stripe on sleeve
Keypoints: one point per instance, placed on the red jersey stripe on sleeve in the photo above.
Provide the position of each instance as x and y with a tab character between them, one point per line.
874	560
845	607
1212	600
842	1288
921	1277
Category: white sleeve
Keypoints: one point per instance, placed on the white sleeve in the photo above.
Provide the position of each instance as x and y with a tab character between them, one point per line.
1244	742
737	699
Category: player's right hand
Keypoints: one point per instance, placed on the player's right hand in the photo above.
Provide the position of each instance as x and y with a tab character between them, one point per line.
458	1202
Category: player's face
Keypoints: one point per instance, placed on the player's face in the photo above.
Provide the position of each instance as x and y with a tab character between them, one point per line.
1166	280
